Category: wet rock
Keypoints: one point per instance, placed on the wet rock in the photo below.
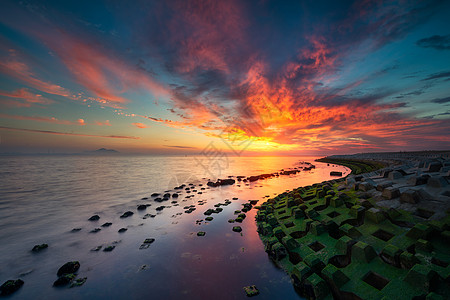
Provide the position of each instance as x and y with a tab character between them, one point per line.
78	282
146	216
201	233
68	268
237	228
209	212
175	195
40	247
231	221
391	193
107	224
94	218
122	230
126	214
166	195
109	248
142	207
95	230
251	290
159	208
409	196
209	218
64	279
10	286
147	243
76	229
155	195
98	248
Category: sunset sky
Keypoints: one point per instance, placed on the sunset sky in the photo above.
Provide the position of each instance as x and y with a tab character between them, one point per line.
245	77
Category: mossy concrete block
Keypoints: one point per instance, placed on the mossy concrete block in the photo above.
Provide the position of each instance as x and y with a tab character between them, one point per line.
335	275
390	193
375	215
350	231
419	231
362	252
298	213
408	260
301	271
423	245
357	211
312	213
279	233
336	202
446	235
420	276
290	243
391	254
278	251
271	220
267	229
317	228
344	243
314	262
318	286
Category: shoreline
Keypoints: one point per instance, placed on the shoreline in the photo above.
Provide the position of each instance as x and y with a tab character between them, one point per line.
372	235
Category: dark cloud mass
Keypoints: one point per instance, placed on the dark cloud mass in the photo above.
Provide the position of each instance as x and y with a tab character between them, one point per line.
438	42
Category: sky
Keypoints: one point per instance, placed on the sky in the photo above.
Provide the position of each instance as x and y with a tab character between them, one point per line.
211	77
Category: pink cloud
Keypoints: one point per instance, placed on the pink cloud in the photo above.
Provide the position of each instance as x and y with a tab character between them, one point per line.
140	125
44	119
69	133
106	123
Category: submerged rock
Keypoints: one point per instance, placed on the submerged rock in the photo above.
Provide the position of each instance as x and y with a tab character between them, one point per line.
237	228
68	268
126	214
78	282
209	218
142	207
76	229
94	218
147	243
64	279
251	290
107	224
40	247
109	248
95	230
122	230
10	286
201	233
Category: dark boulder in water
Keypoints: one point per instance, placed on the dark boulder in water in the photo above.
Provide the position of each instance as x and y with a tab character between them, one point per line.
122	230
175	195
94	218
142	207
107	224
68	268
40	247
126	214
64	279
155	195
10	286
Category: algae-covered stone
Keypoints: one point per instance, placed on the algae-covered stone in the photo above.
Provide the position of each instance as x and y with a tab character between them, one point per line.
314	262
290	243
357	211
350	230
423	245
362	252
419	231
298	213
278	251
316	287
421	276
127	214
278	232
391	254
336	202
407	260
78	282
40	247
64	279
201	233
317	228
94	218
344	243
209	218
109	248
375	215
251	290
68	268
312	213
237	228
10	286
335	275
300	272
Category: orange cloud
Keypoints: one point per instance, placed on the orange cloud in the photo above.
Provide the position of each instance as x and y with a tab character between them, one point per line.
24	97
106	123
44	119
140	125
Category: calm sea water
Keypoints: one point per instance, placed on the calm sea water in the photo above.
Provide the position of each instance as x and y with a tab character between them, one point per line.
42	198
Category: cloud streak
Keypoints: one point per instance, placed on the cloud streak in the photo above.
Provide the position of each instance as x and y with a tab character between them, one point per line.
69	133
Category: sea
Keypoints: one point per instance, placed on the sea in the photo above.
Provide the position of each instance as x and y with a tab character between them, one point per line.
49	199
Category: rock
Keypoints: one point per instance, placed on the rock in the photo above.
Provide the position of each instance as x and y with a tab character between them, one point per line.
94	218
335	173
10	286
159	208
155	195
391	193
175	195
409	196
122	230
107	224
209	218
64	279
237	228
109	248
126	214
76	229
201	233
166	195
40	247
142	207
68	268
251	290
147	243
395	175
434	166
437	182
95	230
78	282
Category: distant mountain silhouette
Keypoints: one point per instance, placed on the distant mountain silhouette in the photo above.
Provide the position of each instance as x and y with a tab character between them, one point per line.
103	151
